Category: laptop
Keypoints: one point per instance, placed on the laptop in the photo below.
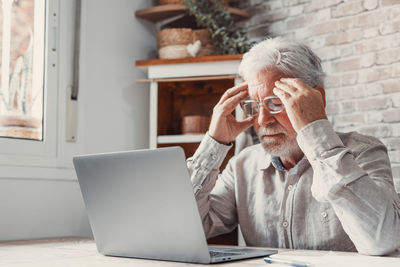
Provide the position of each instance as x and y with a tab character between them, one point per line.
141	204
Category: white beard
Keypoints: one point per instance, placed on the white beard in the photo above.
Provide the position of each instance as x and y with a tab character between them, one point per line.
280	145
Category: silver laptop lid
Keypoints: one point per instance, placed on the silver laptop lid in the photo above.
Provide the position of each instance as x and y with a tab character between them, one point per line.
130	208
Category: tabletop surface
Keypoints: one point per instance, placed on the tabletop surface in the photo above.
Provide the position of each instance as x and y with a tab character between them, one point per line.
82	252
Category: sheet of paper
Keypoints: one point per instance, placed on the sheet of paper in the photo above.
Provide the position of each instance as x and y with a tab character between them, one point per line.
335	259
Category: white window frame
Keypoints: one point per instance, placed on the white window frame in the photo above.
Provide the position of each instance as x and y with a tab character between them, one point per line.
31	152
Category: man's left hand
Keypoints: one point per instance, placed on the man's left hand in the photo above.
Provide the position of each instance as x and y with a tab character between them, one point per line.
303	103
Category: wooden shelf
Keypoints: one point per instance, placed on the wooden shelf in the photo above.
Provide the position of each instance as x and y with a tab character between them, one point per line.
179	99
161	12
152	62
183	138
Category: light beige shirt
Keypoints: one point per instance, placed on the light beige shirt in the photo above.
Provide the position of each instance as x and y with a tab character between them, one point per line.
340	196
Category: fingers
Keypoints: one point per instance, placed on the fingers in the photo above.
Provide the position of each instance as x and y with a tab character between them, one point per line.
230	104
288	88
294	82
282	94
233	91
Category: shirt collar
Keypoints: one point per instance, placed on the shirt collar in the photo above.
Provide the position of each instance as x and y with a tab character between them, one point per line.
264	162
301	166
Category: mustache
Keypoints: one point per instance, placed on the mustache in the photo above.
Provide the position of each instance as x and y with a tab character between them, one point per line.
272	130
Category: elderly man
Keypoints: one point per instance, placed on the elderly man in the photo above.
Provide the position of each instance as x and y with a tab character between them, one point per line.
304	186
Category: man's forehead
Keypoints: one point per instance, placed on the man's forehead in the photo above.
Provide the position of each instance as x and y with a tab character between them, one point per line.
265	76
263	83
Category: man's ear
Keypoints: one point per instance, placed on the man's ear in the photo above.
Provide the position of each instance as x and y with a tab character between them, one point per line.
322	91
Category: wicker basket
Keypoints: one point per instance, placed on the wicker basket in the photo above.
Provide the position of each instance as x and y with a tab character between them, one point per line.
172	43
173	51
203	35
207	46
174	36
174	2
183	36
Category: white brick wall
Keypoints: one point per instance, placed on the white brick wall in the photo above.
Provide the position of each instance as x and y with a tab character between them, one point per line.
359	44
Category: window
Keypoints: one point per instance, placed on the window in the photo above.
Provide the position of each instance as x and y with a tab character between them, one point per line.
22	64
28	35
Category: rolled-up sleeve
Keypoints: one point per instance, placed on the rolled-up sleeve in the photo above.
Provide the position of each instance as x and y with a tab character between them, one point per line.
358	183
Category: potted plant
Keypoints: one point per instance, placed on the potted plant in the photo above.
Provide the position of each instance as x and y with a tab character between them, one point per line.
212	15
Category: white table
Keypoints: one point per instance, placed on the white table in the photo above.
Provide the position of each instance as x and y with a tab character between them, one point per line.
62	252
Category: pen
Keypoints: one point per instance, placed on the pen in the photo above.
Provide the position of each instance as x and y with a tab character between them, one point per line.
287	262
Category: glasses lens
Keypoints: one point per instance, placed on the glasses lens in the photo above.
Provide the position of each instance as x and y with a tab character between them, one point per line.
273	104
249	107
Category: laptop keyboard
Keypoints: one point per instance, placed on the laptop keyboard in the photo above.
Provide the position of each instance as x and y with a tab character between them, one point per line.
222	254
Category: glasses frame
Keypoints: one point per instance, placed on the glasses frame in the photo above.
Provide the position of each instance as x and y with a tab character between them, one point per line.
261	103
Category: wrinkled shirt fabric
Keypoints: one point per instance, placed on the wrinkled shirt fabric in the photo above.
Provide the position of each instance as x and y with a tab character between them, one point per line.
340	196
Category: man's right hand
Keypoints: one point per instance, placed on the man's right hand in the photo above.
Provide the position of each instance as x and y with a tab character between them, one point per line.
224	127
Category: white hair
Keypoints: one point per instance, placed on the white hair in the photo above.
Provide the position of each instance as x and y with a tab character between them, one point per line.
288	57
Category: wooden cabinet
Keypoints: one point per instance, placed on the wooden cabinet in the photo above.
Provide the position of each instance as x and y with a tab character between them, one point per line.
182	87
183	98
185	87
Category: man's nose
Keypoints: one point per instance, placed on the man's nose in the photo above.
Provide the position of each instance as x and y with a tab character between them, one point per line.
264	117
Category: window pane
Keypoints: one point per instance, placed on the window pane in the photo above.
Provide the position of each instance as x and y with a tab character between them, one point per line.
22	68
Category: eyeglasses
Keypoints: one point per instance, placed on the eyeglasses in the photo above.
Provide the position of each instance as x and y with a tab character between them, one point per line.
271	103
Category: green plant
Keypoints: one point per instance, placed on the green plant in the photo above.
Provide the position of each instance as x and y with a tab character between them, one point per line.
212	15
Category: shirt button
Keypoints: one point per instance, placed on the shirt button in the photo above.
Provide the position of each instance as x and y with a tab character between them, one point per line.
290	187
285	224
213	156
324	214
